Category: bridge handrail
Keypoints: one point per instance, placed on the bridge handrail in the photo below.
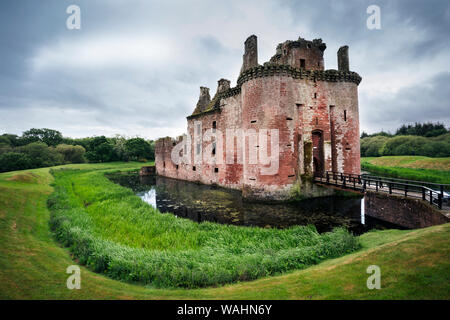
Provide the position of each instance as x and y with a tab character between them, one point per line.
442	186
405	180
363	180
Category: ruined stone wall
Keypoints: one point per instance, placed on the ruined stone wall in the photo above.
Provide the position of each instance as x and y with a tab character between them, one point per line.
293	52
228	116
163	162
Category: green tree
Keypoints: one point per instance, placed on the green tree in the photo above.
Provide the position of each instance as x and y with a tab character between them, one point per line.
11	161
373	146
138	148
41	155
100	150
71	154
48	136
120	149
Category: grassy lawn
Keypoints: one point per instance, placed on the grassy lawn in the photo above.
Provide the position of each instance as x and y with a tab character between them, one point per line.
409	167
414	264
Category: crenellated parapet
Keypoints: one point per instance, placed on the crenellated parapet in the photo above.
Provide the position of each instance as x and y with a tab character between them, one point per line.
268	70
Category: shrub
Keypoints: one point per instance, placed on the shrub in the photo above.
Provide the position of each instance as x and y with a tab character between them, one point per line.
373	146
71	154
138	148
11	161
41	155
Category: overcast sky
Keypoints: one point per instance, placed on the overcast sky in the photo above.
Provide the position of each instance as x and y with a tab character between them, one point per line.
135	67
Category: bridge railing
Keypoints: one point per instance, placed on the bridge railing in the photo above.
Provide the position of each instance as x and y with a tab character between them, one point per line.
408	188
442	187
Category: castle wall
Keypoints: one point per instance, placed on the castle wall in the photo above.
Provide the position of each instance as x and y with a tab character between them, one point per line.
218	171
267	104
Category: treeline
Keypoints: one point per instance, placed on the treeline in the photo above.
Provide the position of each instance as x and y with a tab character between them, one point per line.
428	139
38	148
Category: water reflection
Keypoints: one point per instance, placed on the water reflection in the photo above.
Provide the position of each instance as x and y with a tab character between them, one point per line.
200	202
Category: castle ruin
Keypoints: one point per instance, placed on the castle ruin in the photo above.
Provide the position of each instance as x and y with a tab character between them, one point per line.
315	113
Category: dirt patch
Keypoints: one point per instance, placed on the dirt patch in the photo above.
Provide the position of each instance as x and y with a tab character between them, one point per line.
431	164
24	177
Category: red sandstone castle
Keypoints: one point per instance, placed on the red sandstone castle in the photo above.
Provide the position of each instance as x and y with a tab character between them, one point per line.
313	111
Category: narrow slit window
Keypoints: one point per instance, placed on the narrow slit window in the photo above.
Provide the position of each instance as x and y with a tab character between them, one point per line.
288	118
194	168
177	167
253	121
214	148
315	95
214	124
345	115
216	170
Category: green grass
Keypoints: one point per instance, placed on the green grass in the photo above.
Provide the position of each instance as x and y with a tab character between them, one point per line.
114	232
414	264
418	168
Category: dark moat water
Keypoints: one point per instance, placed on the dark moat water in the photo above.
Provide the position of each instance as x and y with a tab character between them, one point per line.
200	202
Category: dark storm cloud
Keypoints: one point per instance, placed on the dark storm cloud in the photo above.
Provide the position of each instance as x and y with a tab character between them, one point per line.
426	100
135	66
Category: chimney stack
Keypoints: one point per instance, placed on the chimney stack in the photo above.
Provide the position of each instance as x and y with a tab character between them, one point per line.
343	60
203	100
250	58
223	85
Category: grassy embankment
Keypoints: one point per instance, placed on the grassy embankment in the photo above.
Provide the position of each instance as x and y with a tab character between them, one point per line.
114	232
414	264
420	168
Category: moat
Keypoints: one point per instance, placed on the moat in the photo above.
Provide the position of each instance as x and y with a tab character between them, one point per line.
200	203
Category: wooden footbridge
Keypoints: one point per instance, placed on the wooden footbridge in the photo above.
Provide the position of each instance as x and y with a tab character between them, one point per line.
436	194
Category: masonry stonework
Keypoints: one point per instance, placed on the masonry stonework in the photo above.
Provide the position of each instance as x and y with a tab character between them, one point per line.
315	112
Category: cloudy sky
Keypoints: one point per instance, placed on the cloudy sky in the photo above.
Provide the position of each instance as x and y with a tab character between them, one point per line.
135	67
